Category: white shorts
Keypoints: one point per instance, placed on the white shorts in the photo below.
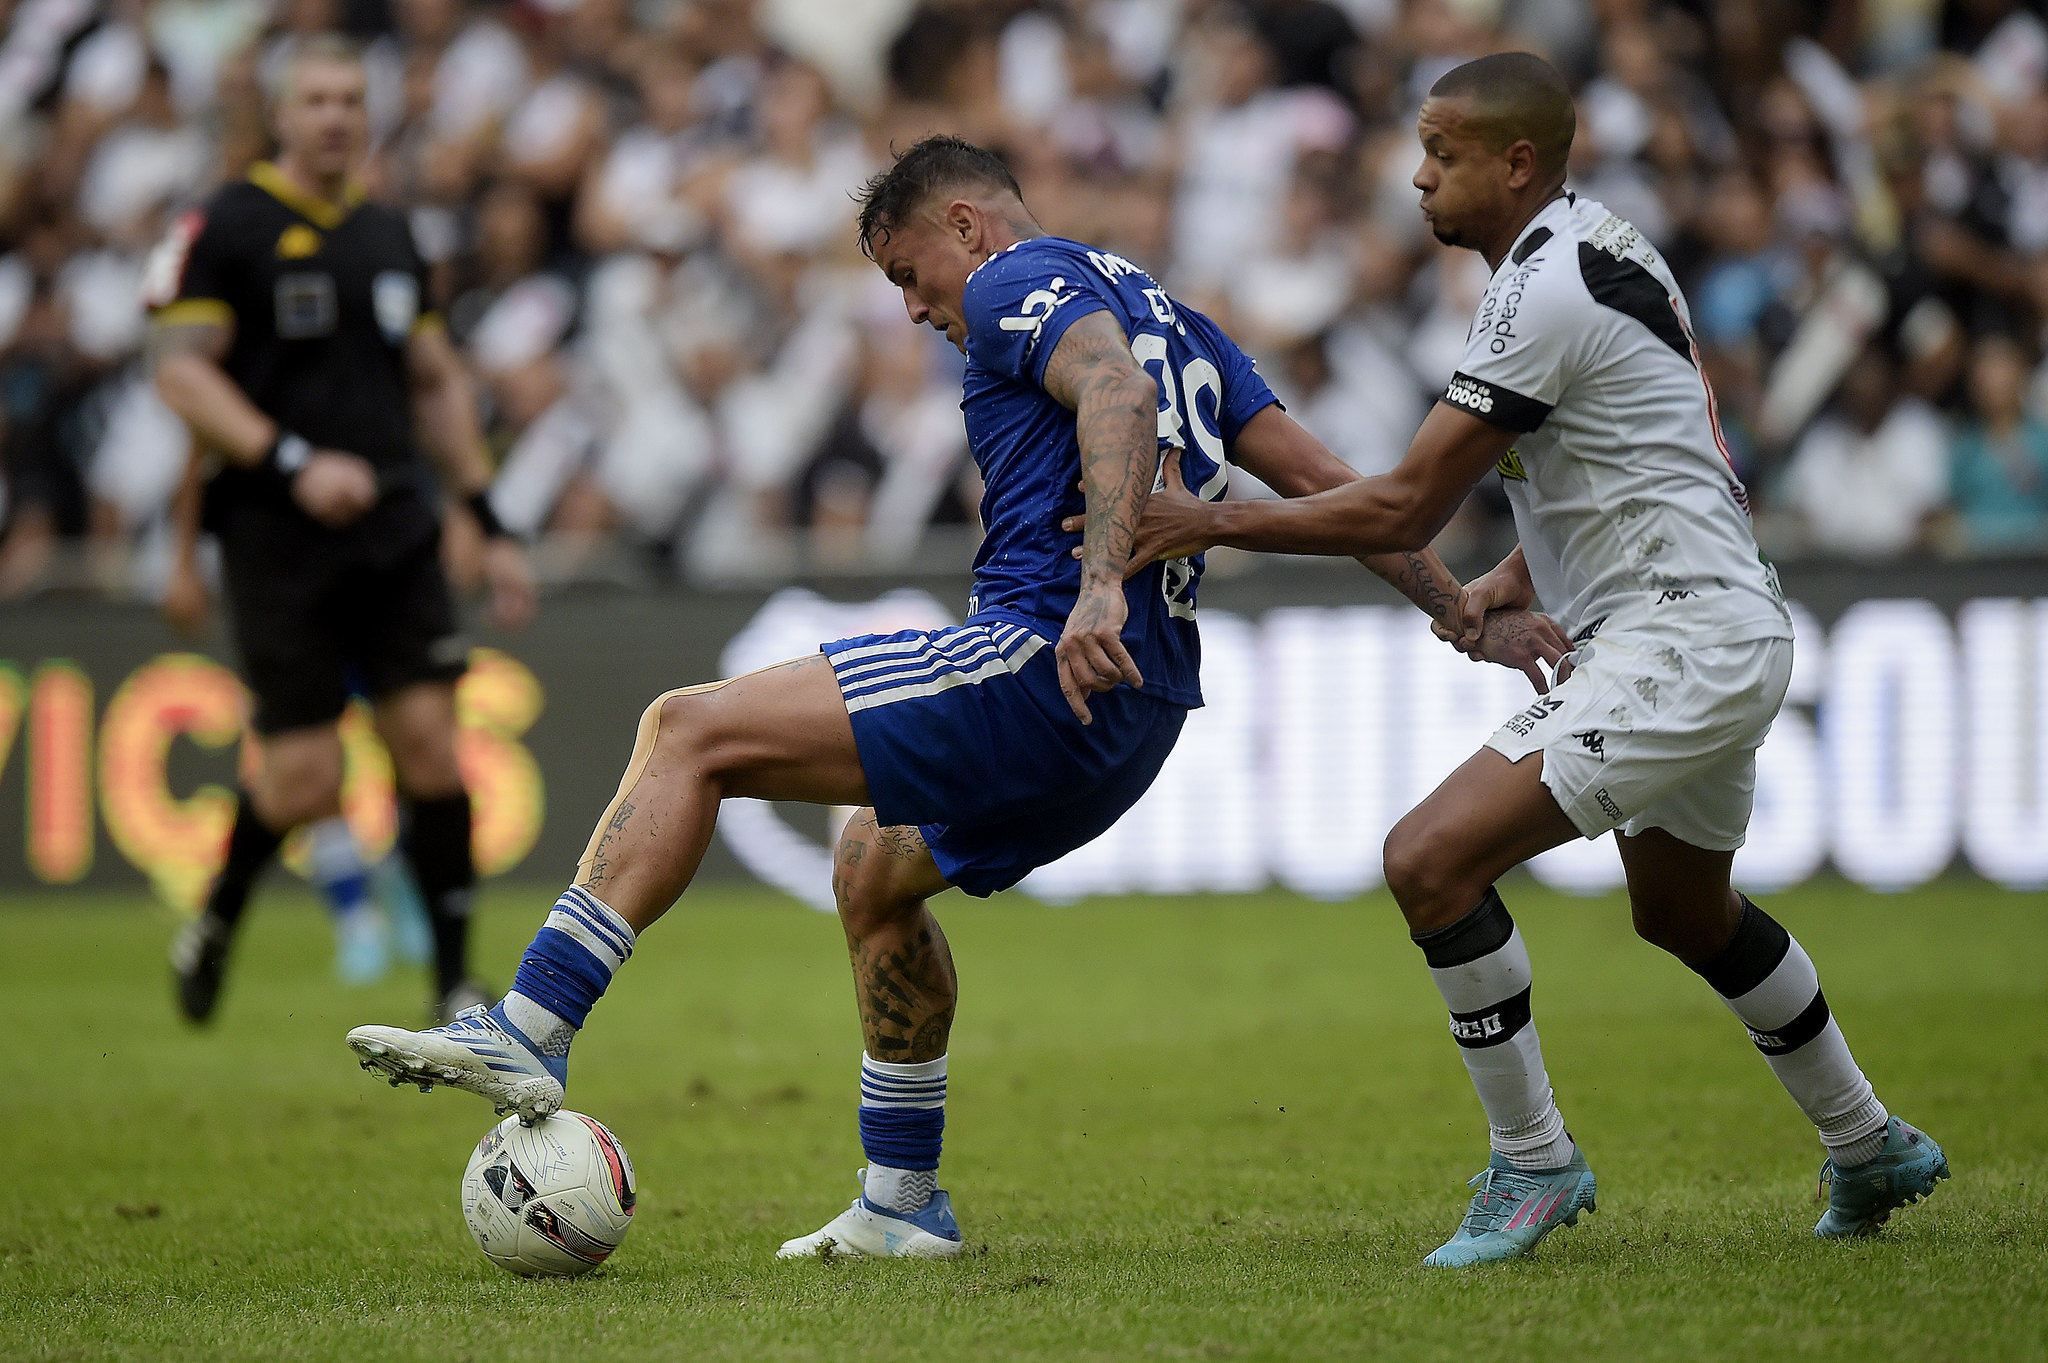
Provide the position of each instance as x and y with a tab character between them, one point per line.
1650	731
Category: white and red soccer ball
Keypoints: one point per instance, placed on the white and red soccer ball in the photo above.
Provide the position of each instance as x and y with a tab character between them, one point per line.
549	1200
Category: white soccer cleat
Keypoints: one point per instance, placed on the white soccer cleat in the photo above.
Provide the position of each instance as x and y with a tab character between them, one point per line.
866	1231
477	1052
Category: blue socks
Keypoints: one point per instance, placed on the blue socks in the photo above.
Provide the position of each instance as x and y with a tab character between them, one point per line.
335	866
564	972
902	1121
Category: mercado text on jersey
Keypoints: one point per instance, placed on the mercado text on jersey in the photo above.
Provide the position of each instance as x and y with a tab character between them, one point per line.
323	299
1019	303
1629	511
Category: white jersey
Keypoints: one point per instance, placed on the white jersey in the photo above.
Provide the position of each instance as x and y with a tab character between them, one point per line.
1629	512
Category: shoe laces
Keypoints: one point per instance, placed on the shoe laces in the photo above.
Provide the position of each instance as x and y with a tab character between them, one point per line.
1501	1193
472	1021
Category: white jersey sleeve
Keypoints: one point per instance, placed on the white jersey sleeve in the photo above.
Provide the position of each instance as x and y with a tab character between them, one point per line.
1532	334
1629	509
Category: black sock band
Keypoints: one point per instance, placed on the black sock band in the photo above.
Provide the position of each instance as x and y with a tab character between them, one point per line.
437	846
1483	1027
1484	930
250	847
1751	955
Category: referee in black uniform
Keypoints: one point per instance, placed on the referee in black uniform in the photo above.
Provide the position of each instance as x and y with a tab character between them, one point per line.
292	335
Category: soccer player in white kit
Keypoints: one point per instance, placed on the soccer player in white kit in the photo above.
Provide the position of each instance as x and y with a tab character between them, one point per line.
1580	385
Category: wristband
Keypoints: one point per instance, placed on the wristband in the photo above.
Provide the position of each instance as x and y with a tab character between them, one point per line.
288	453
486	516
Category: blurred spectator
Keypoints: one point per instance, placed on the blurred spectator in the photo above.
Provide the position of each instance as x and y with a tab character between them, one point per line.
1999	470
1238	149
1869	477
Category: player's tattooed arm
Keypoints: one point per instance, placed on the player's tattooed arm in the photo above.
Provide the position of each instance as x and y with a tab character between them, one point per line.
1397	512
1116	421
1275	448
1422	577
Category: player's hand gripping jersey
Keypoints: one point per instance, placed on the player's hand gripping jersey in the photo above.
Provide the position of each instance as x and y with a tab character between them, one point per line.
1629	513
1019	304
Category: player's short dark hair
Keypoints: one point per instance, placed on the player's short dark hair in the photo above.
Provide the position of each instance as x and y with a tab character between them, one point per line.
940	162
1516	95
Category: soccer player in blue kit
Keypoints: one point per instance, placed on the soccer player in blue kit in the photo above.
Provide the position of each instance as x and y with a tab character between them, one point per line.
977	753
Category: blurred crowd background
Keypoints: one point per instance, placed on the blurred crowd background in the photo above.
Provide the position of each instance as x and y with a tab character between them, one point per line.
639	221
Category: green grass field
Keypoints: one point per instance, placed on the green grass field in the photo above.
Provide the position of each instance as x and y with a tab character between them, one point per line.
1211	1129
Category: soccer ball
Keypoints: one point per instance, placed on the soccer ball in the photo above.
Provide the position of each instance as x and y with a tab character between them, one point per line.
549	1200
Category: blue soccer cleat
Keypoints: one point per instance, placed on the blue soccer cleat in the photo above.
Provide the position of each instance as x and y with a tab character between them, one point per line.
479	1051
1513	1209
1863	1196
866	1231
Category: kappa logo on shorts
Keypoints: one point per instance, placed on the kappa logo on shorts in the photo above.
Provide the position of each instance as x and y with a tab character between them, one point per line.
1522	725
1612	809
1675	594
1592	742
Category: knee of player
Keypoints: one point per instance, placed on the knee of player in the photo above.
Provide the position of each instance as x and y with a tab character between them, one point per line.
425	767
1419	867
302	792
867	885
688	721
1649	925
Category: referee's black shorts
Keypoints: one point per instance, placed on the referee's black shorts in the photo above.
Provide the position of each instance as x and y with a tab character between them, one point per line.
313	632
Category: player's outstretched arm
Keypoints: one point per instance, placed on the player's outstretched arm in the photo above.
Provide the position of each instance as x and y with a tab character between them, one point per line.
1116	421
1397	512
1277	450
446	403
1489	620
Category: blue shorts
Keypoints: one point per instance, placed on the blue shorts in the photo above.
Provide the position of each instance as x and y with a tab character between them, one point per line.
964	733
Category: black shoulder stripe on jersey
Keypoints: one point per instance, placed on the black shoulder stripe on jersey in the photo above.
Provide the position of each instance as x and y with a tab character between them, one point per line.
1529	244
1495	405
1628	288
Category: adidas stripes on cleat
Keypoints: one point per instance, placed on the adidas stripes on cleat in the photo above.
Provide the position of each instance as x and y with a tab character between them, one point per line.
479	1052
1513	1209
870	1232
1863	1196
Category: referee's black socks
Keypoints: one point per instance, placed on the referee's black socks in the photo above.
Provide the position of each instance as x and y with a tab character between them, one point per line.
437	844
250	847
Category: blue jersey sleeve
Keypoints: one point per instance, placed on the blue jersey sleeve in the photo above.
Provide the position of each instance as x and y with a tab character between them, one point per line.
1018	305
1245	395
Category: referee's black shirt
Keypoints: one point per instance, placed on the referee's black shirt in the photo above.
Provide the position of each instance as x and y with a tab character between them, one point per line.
323	300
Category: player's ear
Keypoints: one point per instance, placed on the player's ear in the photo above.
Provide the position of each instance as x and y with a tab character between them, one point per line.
1521	163
964	222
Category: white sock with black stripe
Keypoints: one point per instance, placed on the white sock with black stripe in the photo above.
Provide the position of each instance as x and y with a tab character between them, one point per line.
1766	979
1482	970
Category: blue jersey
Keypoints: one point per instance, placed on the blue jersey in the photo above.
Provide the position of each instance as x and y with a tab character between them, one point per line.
1018	305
